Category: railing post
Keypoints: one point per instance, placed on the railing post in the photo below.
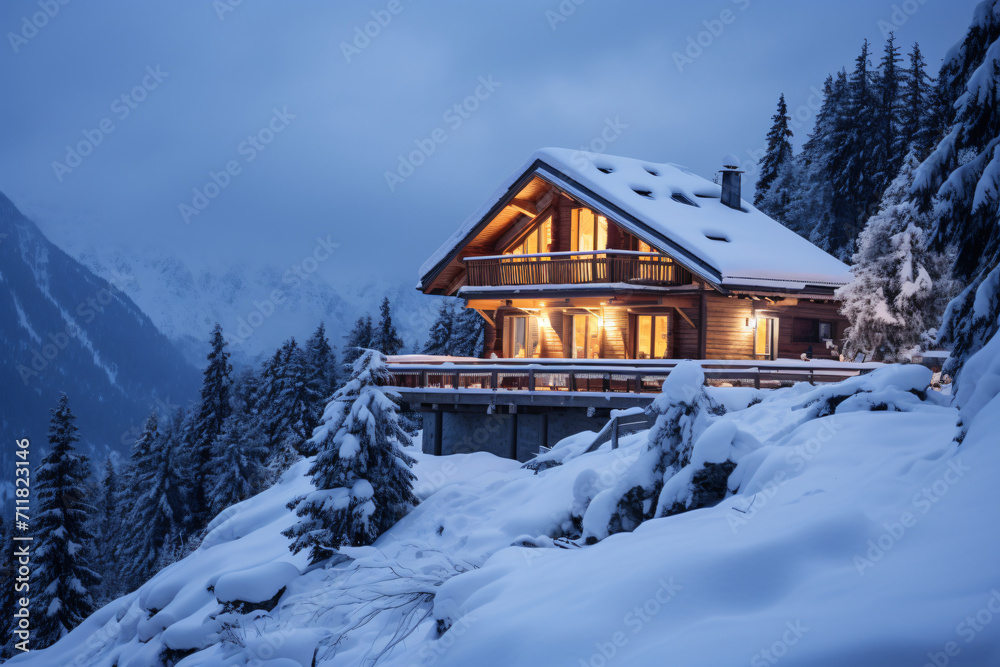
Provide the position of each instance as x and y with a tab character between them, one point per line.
614	433
531	379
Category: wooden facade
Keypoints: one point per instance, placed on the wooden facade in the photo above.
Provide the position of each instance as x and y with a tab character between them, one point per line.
555	278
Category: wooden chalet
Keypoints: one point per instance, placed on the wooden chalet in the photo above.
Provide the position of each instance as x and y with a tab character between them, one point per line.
579	256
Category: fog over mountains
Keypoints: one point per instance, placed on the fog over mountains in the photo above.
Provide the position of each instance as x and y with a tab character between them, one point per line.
65	329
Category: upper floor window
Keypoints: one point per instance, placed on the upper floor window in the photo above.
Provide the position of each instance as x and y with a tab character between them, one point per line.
589	232
538	241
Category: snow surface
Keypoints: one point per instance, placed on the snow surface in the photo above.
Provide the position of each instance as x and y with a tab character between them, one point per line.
858	538
759	250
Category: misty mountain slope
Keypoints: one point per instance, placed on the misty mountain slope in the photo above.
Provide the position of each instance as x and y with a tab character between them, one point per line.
62	328
259	307
862	537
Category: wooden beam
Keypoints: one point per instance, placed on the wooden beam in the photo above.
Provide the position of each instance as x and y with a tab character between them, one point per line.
686	318
703	322
519	229
482	313
456	283
524	206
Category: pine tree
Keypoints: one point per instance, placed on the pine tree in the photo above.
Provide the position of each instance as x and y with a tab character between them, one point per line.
210	417
239	464
289	411
362	477
917	87
385	338
322	360
438	342
779	152
158	512
468	334
960	180
855	152
900	287
890	148
817	214
358	339
63	576
109	529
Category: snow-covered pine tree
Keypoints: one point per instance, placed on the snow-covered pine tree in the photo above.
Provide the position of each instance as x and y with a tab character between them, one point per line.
683	411
362	478
239	465
385	338
916	90
960	182
439	338
63	575
359	338
468	334
290	411
321	358
158	512
900	287
778	153
212	412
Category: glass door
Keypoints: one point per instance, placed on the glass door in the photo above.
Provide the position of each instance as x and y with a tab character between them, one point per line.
651	336
765	345
586	337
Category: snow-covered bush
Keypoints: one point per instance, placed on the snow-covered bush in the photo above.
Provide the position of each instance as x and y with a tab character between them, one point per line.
897	388
362	477
684	411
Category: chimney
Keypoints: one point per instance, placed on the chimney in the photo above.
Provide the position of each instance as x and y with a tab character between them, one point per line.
731	182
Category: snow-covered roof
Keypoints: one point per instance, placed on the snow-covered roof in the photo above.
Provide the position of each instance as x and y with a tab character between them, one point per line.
679	213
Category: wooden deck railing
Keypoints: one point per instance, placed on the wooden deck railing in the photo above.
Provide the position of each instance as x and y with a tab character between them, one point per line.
603	375
573	268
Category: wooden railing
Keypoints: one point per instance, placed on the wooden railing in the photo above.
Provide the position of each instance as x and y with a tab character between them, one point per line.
602	375
573	268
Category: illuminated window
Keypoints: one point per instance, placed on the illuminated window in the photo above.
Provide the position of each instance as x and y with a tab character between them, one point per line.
538	241
589	231
651	337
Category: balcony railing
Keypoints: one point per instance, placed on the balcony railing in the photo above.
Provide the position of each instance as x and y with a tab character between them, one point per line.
573	268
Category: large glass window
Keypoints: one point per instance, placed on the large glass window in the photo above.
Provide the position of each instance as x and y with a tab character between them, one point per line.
538	241
589	231
651	337
586	337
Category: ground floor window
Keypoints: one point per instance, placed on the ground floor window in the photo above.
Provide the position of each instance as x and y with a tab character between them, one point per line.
806	330
521	337
586	337
651	336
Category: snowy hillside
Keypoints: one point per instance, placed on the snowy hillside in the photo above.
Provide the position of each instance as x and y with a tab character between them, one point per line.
859	533
259	306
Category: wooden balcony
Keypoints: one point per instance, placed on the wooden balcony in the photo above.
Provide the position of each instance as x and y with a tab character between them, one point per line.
575	268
